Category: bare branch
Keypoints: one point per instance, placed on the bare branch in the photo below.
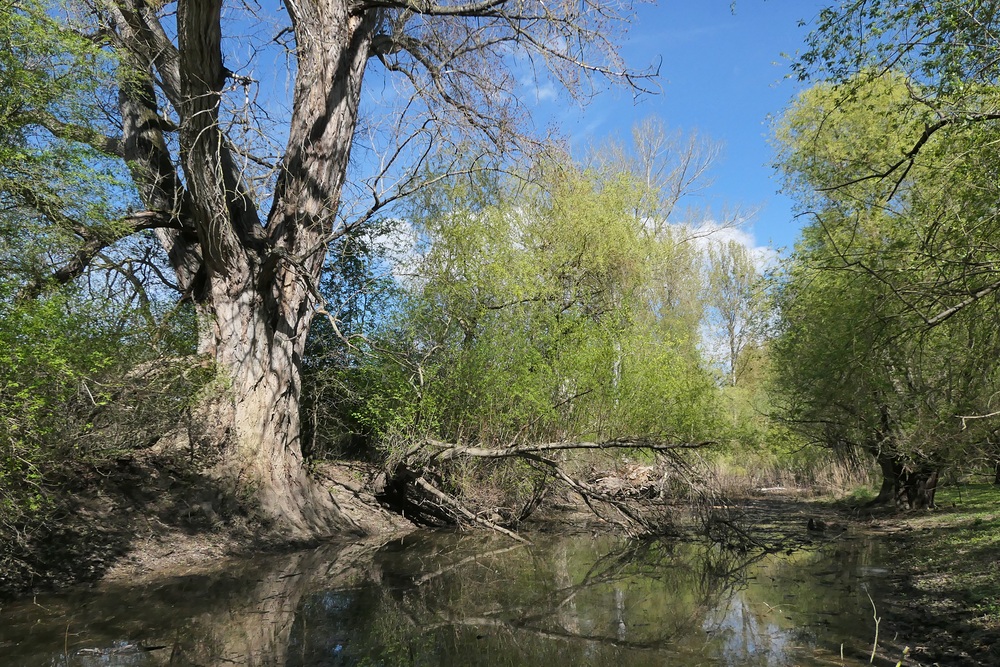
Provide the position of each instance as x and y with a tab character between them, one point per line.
94	241
908	157
470	9
451	451
955	309
71	132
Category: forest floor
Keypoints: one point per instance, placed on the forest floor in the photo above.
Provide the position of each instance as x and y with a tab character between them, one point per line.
948	588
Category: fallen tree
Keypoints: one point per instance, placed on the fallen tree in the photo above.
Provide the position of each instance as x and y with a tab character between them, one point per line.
417	485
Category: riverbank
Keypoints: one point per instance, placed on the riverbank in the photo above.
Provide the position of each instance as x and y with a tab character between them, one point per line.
947	590
800	596
942	568
157	516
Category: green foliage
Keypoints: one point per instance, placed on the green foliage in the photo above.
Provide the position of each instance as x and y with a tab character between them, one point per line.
55	186
882	346
737	306
945	44
78	388
359	294
534	312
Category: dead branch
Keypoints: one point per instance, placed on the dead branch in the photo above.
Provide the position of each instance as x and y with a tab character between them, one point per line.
450	451
465	512
409	487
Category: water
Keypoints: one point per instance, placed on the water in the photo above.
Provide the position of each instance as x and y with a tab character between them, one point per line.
450	599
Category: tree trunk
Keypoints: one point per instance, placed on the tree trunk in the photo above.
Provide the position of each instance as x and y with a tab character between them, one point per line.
250	280
891	470
919	488
255	417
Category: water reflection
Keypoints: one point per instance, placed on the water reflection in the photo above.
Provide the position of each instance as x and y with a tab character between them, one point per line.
449	599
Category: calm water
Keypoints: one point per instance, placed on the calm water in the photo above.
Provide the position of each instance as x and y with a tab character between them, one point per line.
447	599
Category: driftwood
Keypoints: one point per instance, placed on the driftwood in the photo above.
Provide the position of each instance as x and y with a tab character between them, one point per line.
414	486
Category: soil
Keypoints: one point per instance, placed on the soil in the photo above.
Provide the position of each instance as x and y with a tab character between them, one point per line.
153	516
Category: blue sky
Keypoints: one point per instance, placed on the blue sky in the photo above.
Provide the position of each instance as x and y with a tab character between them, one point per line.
722	75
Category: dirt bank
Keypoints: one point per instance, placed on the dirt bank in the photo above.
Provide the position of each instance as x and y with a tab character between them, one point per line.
156	516
948	594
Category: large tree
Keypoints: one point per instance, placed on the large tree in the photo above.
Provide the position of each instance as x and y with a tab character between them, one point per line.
889	338
192	112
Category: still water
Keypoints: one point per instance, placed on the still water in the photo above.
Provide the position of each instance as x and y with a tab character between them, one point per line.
434	599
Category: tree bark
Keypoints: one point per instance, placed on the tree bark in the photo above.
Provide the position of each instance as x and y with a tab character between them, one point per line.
891	470
251	281
259	309
916	487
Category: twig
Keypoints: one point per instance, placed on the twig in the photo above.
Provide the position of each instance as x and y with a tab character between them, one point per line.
875	615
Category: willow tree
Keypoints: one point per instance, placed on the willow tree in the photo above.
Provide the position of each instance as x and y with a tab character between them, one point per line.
245	220
888	312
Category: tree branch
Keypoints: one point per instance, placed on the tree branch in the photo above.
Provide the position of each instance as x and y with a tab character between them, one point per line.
953	310
108	145
424	8
911	154
450	451
461	509
94	242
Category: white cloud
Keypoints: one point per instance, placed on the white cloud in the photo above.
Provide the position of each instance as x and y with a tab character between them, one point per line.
710	232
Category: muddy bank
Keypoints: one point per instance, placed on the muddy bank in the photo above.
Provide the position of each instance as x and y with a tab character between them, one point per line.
940	602
947	584
157	516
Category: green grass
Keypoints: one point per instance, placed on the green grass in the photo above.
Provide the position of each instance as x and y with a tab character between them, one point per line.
856	497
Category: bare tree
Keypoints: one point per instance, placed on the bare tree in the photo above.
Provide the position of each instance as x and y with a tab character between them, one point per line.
671	166
735	297
245	225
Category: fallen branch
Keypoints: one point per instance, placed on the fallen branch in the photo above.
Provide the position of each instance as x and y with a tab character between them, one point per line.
589	493
468	514
453	451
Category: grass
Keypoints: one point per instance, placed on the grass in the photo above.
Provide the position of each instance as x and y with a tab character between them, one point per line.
951	556
858	496
960	548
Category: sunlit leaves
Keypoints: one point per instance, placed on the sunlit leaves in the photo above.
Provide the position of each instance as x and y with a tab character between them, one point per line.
886	306
529	316
55	187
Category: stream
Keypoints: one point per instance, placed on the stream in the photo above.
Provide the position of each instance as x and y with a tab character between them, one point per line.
445	598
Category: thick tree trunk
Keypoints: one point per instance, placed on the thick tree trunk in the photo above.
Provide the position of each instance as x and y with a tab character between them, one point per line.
249	279
891	470
257	414
902	484
261	301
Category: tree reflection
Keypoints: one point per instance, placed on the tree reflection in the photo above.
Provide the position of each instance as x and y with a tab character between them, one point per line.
449	599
